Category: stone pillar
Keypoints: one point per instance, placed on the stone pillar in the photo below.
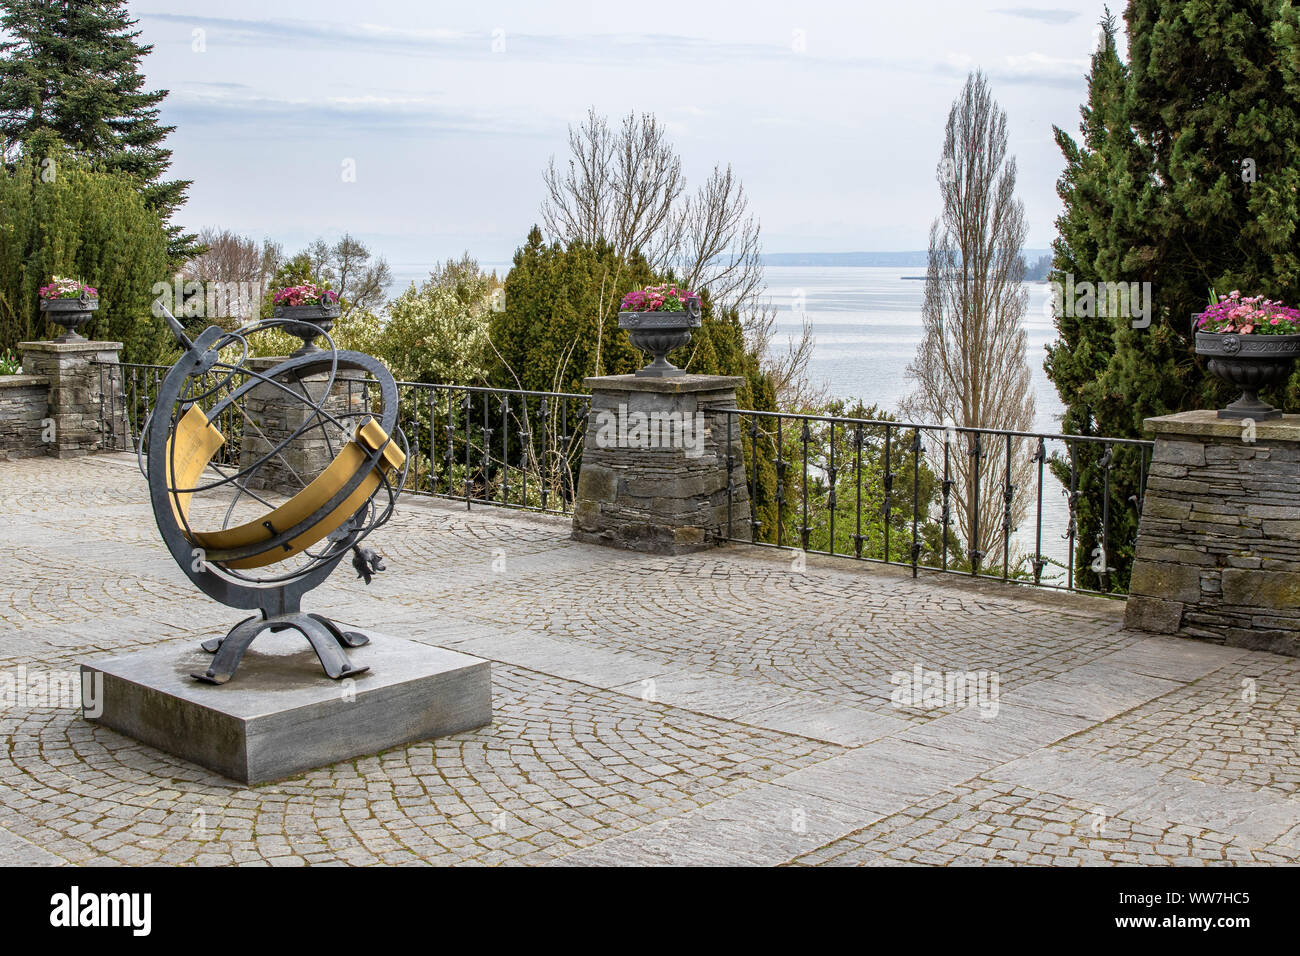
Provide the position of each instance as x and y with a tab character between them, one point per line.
85	383
24	400
1218	547
654	464
272	416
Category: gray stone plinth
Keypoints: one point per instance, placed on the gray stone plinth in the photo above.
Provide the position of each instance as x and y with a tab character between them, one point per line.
280	715
24	400
655	457
276	415
85	392
1218	547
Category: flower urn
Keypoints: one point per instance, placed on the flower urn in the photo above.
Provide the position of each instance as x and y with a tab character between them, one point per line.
660	331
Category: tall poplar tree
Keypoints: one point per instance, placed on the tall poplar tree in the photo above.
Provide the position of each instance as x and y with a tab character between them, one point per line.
970	367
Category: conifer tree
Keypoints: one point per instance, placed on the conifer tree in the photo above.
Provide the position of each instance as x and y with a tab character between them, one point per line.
59	216
1186	178
73	69
1088	249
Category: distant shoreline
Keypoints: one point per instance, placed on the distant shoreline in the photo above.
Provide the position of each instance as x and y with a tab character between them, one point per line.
905	260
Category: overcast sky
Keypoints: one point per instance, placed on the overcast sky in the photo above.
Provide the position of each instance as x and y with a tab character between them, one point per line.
831	113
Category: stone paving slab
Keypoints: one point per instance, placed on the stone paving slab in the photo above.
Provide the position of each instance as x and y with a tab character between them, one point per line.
1097	694
616	670
763	826
809	717
1014	730
1183	660
719	707
1151	796
986	822
725	696
885	775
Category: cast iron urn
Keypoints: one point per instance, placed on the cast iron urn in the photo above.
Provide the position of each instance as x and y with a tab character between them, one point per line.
71	314
659	333
307	322
1249	362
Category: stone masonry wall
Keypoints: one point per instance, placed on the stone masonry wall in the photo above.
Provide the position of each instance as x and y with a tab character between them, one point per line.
661	499
24	400
1218	548
273	415
84	382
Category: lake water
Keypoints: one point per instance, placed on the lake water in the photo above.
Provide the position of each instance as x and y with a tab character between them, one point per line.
867	324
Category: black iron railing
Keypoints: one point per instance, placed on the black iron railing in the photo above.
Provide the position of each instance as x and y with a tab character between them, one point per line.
976	501
509	447
129	391
1016	506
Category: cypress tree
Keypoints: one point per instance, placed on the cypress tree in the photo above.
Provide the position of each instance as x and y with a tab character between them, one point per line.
1083	345
1186	178
72	220
1087	250
1210	199
73	68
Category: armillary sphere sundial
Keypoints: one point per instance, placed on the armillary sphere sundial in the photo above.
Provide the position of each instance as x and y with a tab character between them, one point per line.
263	556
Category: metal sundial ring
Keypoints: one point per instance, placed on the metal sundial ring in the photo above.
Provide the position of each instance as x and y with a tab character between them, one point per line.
305	537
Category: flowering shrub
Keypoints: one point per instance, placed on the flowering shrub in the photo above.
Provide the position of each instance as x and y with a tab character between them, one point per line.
1251	315
61	287
656	298
306	294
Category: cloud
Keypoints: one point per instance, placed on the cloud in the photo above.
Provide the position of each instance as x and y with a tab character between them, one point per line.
301	35
215	84
223	114
660	49
1041	68
1042	14
1018	69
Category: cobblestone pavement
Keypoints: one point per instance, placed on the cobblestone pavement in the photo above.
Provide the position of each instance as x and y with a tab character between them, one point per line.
717	708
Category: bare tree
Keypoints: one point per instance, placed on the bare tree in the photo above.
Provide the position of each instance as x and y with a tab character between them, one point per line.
579	198
627	188
970	368
227	257
618	187
235	270
360	280
647	183
717	242
789	367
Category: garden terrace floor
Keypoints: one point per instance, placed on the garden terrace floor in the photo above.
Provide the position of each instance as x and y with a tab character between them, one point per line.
724	707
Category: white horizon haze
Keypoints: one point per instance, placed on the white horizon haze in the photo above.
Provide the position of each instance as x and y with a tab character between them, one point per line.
832	114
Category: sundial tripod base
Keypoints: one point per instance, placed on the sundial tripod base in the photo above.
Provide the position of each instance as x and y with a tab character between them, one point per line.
326	638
